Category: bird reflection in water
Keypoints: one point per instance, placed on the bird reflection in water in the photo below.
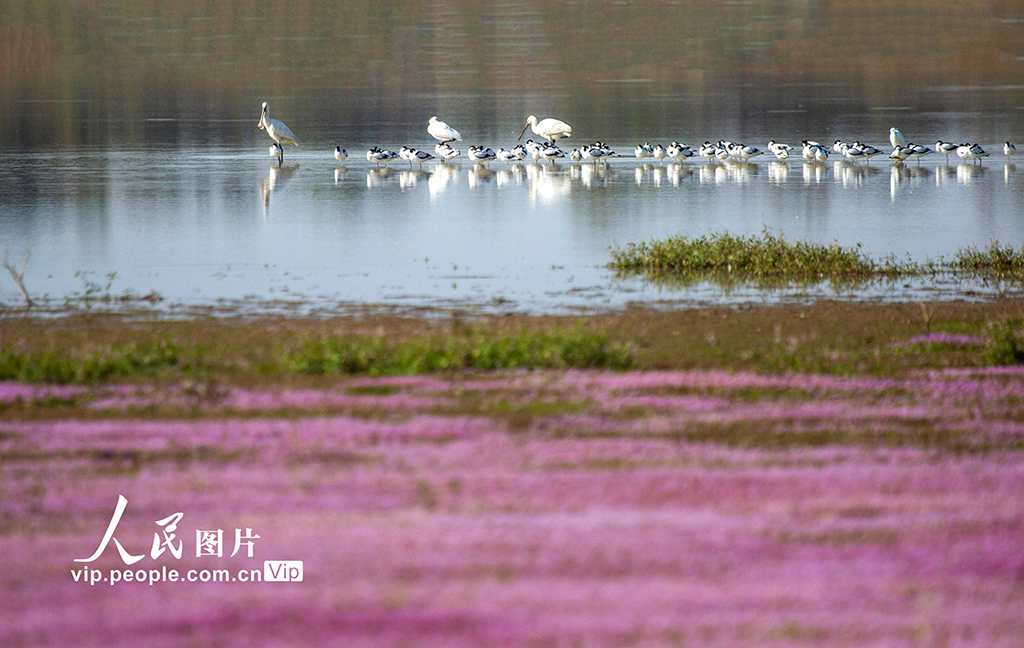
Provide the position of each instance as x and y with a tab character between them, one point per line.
549	186
511	175
1008	171
276	177
966	173
640	173
943	174
339	173
778	172
377	177
814	172
594	174
409	179
852	175
740	172
442	176
900	176
677	173
657	175
480	175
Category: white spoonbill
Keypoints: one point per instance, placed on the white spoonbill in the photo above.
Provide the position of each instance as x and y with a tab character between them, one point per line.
550	129
442	132
278	132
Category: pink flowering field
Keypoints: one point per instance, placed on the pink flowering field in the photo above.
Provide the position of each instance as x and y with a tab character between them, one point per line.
561	508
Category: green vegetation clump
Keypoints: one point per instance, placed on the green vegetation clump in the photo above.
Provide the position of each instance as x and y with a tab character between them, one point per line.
767	258
770	260
994	260
317	355
376	355
92	365
1006	342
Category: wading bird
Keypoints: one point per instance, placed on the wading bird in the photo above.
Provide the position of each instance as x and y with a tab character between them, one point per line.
550	129
278	132
442	132
896	138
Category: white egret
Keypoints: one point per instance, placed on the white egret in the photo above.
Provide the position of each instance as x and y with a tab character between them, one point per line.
550	129
442	132
896	138
278	132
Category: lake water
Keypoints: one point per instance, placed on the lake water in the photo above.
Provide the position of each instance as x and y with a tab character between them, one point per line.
205	224
130	144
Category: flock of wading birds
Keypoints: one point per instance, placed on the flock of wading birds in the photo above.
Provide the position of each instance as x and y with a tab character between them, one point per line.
552	130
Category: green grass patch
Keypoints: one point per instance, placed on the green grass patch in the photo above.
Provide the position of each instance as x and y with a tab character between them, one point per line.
993	260
92	365
769	260
378	355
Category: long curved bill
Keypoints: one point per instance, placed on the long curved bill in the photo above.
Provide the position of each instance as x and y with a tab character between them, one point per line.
521	134
263	115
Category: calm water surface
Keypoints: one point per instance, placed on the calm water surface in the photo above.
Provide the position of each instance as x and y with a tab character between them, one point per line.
130	146
203	224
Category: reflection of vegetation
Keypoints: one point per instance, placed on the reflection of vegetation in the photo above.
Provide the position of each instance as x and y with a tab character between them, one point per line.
123	61
771	261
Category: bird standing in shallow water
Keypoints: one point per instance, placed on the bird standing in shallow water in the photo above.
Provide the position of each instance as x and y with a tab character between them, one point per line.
340	154
1009	149
278	132
550	129
442	132
945	148
896	138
